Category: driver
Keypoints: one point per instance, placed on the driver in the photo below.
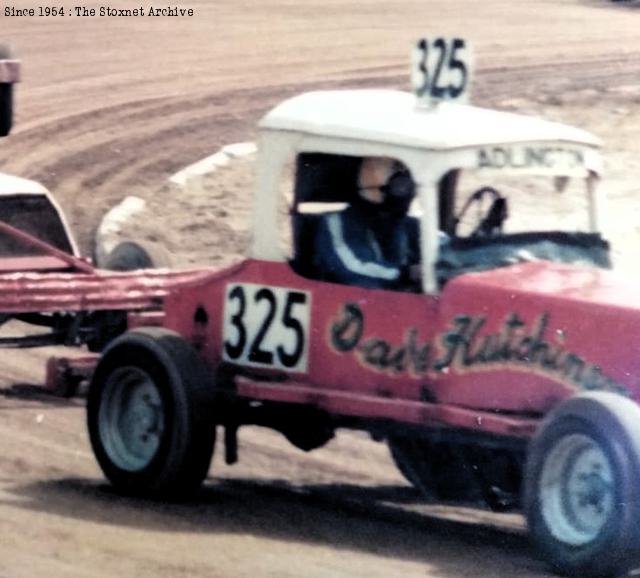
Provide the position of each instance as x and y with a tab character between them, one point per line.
373	243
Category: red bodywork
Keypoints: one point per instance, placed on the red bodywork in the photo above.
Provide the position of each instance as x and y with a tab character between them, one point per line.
141	294
493	352
55	282
98	291
77	285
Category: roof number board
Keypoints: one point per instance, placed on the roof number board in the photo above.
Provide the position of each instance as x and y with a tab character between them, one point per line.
441	70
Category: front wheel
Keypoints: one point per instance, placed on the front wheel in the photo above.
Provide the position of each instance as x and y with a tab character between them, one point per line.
150	414
582	488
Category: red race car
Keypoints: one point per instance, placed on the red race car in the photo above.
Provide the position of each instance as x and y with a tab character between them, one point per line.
422	269
492	358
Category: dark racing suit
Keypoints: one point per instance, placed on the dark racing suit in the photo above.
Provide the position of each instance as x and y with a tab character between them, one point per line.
354	247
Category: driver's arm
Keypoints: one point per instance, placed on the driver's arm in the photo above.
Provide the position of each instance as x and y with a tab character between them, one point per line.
342	262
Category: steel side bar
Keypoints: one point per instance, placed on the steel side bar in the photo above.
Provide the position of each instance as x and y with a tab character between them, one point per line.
100	290
360	405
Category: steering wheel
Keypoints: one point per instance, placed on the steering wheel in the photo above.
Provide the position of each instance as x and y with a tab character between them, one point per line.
492	222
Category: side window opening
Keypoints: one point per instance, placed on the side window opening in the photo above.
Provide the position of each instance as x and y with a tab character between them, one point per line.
324	183
351	223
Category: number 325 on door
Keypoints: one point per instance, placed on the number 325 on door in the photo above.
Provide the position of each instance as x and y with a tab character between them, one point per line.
266	326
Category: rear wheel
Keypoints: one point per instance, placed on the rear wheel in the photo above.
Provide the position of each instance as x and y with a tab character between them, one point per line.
407	457
582	493
150	414
439	471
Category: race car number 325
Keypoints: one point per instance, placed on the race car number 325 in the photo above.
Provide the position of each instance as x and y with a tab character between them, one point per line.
441	69
266	326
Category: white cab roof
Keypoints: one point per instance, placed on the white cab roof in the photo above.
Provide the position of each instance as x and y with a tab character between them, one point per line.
391	116
10	185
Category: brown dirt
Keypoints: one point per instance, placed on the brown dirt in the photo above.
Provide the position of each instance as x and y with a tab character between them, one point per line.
112	107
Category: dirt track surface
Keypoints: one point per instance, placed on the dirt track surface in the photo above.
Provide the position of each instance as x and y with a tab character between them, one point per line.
111	107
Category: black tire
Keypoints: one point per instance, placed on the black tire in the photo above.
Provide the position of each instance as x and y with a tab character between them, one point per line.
133	255
437	470
404	454
150	414
582	486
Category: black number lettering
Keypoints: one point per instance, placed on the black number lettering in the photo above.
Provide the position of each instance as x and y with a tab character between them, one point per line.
291	359
234	350
423	46
456	64
249	321
256	354
438	91
440	68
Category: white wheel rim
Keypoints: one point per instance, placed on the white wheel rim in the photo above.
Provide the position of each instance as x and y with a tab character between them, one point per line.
577	490
131	418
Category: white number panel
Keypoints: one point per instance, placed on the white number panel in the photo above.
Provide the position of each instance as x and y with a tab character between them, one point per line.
266	326
441	69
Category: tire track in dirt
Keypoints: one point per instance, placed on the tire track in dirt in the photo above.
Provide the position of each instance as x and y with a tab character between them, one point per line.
174	128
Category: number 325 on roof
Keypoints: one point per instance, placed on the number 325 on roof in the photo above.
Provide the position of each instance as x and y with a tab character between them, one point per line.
441	70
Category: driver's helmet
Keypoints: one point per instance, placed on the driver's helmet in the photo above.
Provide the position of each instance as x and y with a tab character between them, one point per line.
385	186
